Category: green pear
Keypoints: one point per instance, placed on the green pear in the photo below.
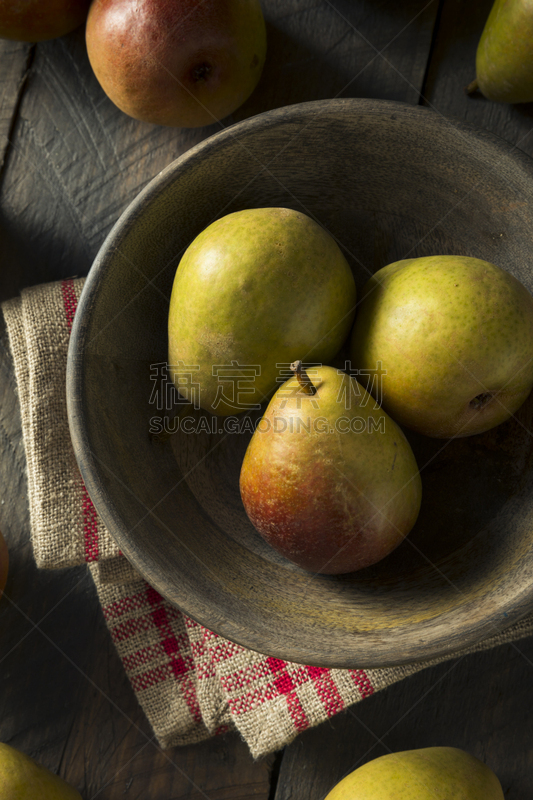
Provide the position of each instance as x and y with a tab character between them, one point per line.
328	479
255	290
432	773
21	778
453	336
504	58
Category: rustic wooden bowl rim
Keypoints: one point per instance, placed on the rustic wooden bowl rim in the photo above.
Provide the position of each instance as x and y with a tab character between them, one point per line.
320	640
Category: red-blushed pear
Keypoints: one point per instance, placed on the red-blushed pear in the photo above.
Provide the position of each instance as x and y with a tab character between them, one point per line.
185	63
453	336
431	773
253	291
4	563
504	57
21	778
328	479
37	20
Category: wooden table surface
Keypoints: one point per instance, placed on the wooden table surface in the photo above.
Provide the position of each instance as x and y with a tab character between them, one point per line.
70	162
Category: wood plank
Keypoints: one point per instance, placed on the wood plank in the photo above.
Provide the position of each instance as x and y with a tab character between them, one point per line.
15	58
343	49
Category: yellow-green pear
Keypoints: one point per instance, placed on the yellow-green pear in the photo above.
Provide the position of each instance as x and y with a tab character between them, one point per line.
21	778
432	773
504	58
453	337
254	291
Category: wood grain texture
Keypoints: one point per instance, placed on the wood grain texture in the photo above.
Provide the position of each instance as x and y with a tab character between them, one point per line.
77	162
15	58
343	49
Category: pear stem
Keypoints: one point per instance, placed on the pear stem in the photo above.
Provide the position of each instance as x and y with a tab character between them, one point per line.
472	87
304	380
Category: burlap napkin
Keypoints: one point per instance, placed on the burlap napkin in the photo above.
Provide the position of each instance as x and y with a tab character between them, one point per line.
190	682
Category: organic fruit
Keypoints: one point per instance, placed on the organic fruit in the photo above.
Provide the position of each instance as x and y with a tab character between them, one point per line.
454	338
255	290
177	62
36	20
433	773
328	479
4	563
21	778
504	58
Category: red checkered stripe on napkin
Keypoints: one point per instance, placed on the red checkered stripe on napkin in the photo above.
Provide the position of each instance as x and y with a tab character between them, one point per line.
151	639
65	530
211	697
272	700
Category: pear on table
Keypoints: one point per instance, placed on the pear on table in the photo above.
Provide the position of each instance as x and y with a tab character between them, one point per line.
328	479
21	778
183	63
431	773
504	57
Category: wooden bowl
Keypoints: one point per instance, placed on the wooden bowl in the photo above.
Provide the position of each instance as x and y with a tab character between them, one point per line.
388	181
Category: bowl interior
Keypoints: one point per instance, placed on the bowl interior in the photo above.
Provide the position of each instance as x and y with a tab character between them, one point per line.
389	181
